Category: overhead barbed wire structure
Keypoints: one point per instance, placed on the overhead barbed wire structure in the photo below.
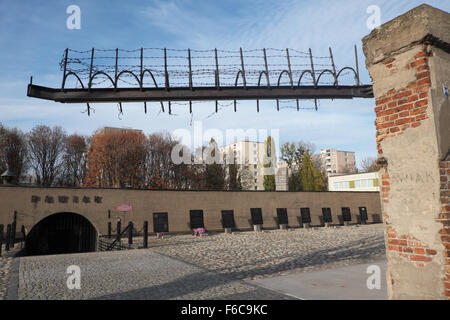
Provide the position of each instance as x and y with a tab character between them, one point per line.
161	74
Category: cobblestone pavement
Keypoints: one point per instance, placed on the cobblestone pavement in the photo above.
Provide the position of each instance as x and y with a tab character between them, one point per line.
254	255
216	266
130	274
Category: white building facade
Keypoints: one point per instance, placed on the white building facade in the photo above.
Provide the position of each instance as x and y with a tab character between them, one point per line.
368	181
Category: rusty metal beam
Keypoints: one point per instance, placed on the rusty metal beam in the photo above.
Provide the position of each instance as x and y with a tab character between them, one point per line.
81	95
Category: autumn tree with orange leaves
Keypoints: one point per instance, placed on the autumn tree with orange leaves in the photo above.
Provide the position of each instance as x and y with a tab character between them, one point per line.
116	158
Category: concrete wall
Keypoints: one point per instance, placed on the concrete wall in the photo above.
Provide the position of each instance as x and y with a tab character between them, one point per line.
177	204
408	61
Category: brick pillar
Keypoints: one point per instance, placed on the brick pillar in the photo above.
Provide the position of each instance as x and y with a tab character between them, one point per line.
408	59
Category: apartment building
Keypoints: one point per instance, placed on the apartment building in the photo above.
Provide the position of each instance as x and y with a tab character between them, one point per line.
249	156
337	162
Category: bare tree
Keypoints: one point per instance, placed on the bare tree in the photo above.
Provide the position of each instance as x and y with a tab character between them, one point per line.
13	151
369	164
74	160
46	149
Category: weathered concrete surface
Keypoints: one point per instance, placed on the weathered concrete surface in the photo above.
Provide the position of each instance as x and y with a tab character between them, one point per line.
344	283
413	141
398	34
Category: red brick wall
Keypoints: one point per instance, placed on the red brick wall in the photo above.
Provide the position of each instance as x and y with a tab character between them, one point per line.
444	217
398	110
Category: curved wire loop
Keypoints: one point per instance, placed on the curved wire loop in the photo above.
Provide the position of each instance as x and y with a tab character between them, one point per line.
348	68
237	77
68	74
281	74
82	85
96	74
260	75
330	72
155	83
301	76
129	72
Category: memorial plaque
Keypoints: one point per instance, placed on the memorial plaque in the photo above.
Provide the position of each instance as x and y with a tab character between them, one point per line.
228	219
256	214
305	214
160	222
282	216
326	212
346	215
196	219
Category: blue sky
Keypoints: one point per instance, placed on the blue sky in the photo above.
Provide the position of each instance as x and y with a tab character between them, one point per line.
33	36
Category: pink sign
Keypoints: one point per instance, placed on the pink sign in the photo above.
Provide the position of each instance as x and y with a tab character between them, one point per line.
124	207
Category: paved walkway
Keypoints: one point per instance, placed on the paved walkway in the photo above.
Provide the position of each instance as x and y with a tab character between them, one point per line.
254	255
131	274
317	263
345	283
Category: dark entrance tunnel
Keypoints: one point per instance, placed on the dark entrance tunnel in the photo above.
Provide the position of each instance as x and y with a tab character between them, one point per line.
61	233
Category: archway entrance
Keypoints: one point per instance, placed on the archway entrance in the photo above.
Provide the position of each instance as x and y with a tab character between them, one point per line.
61	233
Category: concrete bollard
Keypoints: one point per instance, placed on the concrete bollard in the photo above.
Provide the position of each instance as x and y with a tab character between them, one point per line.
327	225
227	230
257	227
306	225
346	223
283	226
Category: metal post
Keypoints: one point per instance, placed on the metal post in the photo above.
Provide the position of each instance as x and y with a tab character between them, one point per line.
65	68
217	70
119	225
190	69
243	70
217	106
312	68
90	70
190	106
130	233
13	230
289	67
1	238
170	107
109	230
267	68
142	65
116	70
8	237
165	70
357	68
313	75
334	67
145	234
145	107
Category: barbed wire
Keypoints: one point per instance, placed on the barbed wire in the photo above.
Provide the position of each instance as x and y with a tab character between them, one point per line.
217	67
